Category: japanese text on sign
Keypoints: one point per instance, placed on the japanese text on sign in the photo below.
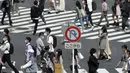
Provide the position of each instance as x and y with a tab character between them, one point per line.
72	45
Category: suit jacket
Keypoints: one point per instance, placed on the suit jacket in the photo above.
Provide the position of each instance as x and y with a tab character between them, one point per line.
93	64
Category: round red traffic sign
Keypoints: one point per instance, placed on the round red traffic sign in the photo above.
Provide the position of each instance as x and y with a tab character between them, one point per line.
72	34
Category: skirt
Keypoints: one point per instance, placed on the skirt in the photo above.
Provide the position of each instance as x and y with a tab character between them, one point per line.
103	44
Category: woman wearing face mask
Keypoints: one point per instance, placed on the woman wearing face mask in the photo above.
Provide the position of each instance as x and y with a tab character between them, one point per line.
60	59
6	57
40	47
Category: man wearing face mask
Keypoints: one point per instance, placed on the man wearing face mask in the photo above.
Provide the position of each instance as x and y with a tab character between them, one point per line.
6	57
49	40
40	47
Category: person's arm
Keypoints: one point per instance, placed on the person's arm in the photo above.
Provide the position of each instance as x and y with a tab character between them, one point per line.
4	46
94	61
50	39
77	61
26	65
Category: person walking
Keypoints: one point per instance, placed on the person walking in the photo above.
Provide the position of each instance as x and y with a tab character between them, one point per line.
93	63
41	6
15	7
30	66
128	62
59	57
80	14
50	5
124	58
40	47
75	61
49	40
116	12
105	50
6	7
125	14
7	57
35	13
104	13
89	11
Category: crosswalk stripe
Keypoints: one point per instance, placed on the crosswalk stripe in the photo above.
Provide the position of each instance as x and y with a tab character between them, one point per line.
102	71
55	22
119	70
19	72
82	71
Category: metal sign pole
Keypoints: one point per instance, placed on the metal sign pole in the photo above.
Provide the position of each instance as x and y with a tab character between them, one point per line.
73	61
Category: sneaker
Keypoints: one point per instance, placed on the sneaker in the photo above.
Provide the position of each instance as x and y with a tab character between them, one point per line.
92	27
109	58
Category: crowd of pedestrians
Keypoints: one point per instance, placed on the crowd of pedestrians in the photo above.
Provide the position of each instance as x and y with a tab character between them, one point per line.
45	57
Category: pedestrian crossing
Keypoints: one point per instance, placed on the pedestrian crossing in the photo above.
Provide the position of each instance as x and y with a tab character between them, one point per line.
100	70
22	24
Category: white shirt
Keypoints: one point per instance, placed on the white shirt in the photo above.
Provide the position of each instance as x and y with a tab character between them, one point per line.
89	3
50	42
104	6
40	44
5	46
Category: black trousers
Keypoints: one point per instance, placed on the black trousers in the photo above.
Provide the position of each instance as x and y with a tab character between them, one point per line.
75	67
124	22
49	70
7	10
90	18
7	58
128	71
35	27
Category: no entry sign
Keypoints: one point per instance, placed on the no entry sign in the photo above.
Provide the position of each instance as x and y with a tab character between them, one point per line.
72	34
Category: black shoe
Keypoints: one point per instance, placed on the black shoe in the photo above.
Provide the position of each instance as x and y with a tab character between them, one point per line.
11	23
107	25
2	23
49	12
57	12
117	24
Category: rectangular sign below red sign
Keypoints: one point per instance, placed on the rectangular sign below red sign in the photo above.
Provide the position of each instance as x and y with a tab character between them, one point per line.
76	45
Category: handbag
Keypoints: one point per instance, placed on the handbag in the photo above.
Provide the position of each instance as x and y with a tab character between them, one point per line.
80	56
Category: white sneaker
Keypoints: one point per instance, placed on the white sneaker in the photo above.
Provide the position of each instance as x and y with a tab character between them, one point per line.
92	27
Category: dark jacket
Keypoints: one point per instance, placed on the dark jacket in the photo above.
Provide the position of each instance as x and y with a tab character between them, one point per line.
93	64
6	4
126	9
35	12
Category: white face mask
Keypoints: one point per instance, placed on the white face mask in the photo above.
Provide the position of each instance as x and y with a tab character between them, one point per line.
4	39
45	34
25	41
42	37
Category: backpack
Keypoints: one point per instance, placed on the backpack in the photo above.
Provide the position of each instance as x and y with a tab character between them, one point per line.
54	41
35	51
11	51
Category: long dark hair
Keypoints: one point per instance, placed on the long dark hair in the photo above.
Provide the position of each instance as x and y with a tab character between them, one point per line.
59	54
75	53
78	4
104	29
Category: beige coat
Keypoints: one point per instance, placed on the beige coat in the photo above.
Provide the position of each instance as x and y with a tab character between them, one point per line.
107	49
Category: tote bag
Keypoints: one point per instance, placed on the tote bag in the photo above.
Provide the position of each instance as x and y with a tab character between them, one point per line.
80	56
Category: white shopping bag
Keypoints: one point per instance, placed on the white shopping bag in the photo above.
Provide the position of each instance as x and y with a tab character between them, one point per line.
80	56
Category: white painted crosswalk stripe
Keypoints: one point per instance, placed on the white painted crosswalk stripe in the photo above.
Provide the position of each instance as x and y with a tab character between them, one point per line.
55	21
102	71
119	70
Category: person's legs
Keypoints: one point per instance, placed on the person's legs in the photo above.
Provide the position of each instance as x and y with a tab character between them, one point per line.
4	13
8	60
100	20
35	27
3	60
76	69
105	15
43	19
10	21
124	21
90	18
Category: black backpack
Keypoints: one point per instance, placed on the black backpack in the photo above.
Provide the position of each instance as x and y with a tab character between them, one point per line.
11	51
54	41
35	51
